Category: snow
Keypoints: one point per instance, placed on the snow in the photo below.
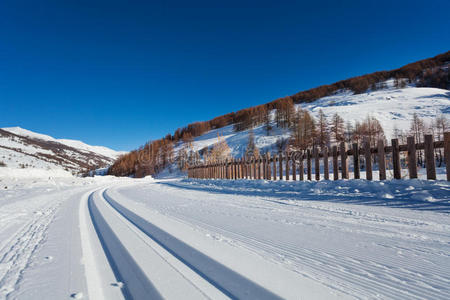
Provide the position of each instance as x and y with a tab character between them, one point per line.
14	173
26	151
72	143
393	107
113	238
169	237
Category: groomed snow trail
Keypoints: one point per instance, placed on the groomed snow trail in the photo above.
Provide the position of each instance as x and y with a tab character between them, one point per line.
121	238
148	261
363	251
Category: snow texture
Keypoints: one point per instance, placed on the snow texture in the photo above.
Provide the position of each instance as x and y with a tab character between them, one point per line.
116	238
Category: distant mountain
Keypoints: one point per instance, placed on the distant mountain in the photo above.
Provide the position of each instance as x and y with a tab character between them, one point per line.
21	148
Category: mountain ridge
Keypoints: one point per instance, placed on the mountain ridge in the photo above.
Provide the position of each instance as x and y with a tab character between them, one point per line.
22	148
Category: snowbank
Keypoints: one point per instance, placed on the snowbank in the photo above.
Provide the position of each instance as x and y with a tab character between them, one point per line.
409	193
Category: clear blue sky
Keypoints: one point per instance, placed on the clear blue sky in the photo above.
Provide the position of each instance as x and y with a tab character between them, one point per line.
119	73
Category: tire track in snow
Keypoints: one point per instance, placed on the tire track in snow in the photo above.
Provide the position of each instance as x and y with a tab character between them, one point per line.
231	284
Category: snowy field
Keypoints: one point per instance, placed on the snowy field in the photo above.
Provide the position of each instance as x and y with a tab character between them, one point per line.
63	237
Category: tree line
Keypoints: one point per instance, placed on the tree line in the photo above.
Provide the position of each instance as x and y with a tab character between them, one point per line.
156	155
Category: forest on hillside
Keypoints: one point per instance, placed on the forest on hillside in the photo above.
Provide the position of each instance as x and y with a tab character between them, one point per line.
305	131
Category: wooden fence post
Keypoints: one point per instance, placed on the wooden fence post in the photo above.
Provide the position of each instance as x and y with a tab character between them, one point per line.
301	170
316	163
381	160
356	173
227	174
280	164
261	167
308	164
429	157
396	159
294	168
326	172
412	159
269	175
368	158
344	163
447	153
274	161
248	166
264	167
287	166
258	168
335	163
232	169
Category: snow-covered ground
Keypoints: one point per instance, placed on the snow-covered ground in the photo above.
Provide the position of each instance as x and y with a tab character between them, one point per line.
173	238
24	149
115	238
393	107
72	143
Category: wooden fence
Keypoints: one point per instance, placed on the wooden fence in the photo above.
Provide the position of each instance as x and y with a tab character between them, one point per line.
286	166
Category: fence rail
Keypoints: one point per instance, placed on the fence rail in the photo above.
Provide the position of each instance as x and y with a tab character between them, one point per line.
271	167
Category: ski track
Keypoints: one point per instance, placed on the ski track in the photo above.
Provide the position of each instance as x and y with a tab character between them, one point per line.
201	276
143	239
16	254
342	270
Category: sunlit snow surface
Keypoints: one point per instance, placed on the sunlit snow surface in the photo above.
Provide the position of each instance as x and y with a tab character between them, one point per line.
394	108
312	240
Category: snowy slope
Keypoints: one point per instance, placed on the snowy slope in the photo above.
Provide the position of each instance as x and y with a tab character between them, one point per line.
24	149
391	106
72	143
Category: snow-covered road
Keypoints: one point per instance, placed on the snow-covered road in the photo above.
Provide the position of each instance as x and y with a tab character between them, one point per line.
173	239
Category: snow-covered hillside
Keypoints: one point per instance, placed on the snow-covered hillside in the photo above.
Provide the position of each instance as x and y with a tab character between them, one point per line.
393	107
72	143
21	148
